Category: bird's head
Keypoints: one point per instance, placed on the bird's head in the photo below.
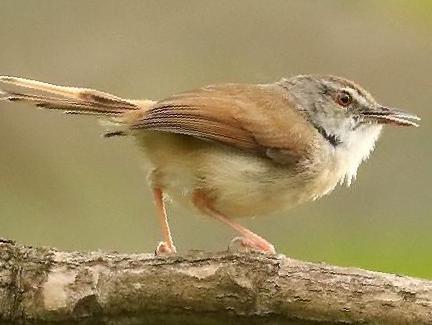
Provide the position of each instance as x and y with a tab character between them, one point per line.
345	114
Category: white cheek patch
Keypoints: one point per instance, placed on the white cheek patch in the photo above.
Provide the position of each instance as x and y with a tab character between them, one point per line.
357	140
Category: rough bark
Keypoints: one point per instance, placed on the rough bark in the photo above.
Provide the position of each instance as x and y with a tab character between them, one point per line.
44	285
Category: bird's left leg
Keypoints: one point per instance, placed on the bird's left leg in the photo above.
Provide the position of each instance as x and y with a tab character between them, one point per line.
166	246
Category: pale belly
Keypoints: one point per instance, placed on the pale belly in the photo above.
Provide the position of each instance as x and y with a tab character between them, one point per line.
239	184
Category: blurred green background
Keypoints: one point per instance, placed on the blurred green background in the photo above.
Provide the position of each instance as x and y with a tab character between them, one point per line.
63	185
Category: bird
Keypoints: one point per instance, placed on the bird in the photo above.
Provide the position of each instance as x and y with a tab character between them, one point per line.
235	150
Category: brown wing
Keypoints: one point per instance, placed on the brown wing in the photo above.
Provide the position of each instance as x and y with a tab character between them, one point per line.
257	118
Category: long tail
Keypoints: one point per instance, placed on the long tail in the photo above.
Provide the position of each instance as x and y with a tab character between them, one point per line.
71	100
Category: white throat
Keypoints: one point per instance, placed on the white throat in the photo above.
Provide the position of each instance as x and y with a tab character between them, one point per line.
355	148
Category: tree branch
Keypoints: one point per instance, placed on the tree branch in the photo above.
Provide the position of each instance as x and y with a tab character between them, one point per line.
44	285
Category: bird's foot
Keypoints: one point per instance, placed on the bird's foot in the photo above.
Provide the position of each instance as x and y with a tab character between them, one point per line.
247	245
163	249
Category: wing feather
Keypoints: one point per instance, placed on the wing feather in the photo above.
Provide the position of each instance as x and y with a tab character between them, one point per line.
255	118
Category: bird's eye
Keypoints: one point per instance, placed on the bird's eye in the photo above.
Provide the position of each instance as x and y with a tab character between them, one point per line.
344	98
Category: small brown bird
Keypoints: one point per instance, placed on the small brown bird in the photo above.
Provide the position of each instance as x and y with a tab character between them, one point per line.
235	150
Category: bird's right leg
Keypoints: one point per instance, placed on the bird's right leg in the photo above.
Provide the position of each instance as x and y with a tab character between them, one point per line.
249	239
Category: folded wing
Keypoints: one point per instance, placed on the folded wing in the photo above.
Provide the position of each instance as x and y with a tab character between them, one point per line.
255	118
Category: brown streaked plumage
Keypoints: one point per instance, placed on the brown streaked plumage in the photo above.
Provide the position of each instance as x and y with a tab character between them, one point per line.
248	117
233	150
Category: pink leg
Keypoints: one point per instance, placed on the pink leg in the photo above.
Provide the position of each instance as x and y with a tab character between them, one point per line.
249	238
167	246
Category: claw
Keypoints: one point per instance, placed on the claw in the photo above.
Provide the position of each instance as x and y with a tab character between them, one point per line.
247	245
164	249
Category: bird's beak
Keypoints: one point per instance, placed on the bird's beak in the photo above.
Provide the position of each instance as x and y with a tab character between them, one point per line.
385	115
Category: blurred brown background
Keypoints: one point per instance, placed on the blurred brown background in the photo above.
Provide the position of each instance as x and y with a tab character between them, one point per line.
61	184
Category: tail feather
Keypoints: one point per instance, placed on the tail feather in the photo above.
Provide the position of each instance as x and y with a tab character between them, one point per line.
71	100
